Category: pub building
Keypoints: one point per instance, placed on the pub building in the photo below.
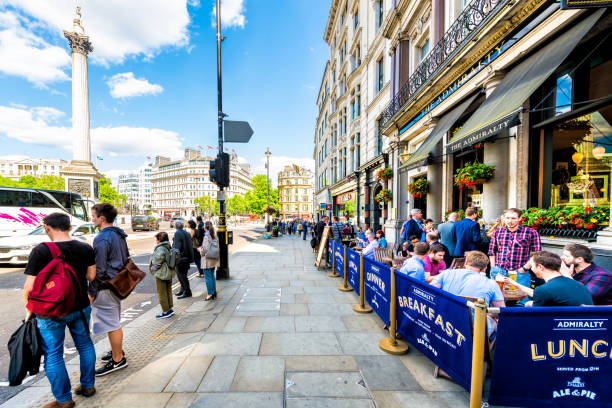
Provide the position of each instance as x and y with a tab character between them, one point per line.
525	87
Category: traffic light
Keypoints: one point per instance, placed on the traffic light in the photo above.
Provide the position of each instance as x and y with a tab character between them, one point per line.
220	170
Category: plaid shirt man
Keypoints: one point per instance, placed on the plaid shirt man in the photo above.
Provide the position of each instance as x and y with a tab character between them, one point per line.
512	249
598	281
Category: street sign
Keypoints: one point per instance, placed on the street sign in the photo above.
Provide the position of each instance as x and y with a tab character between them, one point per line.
237	131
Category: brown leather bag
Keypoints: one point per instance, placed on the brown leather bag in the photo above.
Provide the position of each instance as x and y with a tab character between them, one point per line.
126	280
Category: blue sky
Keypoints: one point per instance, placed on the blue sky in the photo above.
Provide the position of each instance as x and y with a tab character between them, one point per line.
152	77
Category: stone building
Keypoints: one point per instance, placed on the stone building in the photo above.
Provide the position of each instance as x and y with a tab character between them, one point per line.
136	185
26	166
349	146
295	193
176	184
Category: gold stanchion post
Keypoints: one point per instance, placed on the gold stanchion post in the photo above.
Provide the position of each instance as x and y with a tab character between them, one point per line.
361	307
390	344
333	273
344	287
480	330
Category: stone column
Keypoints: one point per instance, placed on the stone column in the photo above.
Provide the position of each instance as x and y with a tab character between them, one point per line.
80	47
434	177
495	191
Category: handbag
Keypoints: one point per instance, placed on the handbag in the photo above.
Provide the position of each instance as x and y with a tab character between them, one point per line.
123	283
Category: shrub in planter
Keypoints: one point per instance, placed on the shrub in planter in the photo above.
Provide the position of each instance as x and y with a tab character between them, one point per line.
473	173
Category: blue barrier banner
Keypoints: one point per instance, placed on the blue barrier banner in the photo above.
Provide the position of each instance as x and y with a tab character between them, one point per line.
553	357
330	253
377	287
340	259
352	269
438	324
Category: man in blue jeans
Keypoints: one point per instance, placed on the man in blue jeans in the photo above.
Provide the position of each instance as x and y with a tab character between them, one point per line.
80	256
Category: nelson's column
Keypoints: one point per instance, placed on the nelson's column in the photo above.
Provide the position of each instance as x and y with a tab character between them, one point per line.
80	176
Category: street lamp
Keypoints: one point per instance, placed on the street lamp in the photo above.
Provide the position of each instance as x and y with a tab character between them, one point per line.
268	183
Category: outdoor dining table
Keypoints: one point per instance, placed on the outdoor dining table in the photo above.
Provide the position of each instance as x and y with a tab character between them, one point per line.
512	296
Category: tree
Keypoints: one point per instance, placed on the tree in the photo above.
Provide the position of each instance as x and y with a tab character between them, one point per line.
256	200
7	182
236	204
108	193
207	205
42	182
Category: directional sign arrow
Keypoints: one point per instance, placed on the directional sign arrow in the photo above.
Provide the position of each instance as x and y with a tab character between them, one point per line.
237	131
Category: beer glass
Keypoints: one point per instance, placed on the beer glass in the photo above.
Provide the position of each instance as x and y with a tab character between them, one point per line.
512	275
499	278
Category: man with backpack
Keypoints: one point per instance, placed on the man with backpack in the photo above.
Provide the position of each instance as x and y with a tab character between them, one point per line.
110	248
182	242
61	269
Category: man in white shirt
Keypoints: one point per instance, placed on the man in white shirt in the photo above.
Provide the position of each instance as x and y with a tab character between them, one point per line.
372	243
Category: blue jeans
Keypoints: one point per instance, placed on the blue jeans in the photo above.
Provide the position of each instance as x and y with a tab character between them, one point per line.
305	232
52	333
211	283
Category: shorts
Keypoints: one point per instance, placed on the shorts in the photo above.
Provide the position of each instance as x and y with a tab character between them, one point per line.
106	312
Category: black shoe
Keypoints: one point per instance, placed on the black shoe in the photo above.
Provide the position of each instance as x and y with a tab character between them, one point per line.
184	295
110	367
179	293
108	356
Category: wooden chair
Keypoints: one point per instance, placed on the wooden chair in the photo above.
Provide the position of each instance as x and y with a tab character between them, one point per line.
398	261
380	254
457	263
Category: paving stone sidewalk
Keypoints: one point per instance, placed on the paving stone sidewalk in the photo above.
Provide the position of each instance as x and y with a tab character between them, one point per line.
280	334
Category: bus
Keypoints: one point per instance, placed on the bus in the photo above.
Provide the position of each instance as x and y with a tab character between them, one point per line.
22	209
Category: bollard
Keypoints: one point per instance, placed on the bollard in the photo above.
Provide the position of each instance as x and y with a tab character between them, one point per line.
333	273
480	330
361	307
344	287
390	344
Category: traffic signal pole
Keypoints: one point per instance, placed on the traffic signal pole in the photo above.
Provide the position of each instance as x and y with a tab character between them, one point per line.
223	269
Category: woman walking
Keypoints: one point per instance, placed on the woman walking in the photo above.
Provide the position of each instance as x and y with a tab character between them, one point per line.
210	252
196	243
163	274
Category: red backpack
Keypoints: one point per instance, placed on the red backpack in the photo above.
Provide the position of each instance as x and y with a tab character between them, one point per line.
54	291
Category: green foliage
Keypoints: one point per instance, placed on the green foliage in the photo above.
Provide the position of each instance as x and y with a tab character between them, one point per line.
108	193
468	174
236	204
42	182
208	205
256	200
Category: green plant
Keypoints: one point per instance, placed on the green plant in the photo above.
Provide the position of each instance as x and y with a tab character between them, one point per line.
384	174
418	187
384	196
566	217
468	174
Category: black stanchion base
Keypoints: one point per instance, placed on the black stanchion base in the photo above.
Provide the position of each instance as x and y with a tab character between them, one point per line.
222	273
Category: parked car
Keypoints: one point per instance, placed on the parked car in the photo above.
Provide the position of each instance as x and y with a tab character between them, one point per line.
174	220
144	223
16	250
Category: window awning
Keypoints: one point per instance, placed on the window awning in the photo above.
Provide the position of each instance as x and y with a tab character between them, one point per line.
501	109
421	155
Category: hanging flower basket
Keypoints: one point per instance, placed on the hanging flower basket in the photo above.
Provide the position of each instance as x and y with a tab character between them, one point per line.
270	210
384	174
384	196
473	173
418	188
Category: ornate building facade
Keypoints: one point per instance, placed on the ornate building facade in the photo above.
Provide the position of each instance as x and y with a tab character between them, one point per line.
295	193
26	166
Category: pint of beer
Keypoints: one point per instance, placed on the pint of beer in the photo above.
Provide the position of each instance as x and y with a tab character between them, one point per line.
499	278
512	275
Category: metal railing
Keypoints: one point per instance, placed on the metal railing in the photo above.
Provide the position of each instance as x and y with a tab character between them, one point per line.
470	21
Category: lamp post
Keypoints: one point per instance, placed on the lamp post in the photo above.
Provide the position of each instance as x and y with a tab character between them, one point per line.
268	185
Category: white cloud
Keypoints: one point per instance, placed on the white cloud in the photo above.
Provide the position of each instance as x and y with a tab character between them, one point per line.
232	14
278	163
118	29
29	127
126	85
25	54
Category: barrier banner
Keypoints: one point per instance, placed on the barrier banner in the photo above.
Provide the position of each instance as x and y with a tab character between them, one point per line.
377	287
352	269
340	259
438	324
330	253
553	357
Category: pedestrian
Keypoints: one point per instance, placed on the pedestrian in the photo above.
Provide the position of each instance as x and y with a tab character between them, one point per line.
319	228
446	235
466	233
304	229
182	242
110	248
80	257
298	228
412	226
158	266
211	260
196	243
511	246
337	228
